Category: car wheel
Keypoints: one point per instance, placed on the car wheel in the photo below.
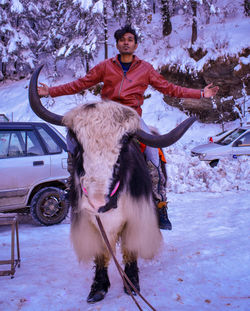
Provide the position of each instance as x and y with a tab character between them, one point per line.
48	206
213	163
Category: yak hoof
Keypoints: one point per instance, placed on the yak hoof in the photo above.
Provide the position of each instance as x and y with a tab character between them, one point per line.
97	296
132	272
100	285
132	291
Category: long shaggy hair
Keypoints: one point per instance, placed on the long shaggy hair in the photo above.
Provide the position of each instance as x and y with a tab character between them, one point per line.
107	153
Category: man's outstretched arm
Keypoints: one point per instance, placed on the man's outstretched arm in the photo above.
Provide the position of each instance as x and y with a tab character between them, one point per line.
167	88
94	76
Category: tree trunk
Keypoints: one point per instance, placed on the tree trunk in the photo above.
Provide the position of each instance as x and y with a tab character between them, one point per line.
194	25
105	24
3	68
166	23
129	12
207	11
87	62
247	7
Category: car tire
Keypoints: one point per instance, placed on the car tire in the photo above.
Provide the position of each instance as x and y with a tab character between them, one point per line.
48	206
214	163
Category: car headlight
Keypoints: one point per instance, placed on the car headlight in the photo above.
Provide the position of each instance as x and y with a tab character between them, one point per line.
202	156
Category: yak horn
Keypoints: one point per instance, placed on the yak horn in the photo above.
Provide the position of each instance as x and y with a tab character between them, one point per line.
161	141
36	104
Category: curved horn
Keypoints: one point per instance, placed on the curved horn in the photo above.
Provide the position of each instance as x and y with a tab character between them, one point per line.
161	141
36	104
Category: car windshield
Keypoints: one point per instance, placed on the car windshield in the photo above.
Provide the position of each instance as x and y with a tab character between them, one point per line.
231	137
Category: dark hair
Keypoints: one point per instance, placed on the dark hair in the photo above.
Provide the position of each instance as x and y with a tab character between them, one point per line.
121	32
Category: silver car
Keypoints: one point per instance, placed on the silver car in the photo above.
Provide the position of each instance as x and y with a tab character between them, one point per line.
219	136
232	146
33	170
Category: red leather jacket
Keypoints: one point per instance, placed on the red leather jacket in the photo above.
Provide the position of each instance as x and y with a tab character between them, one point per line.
127	89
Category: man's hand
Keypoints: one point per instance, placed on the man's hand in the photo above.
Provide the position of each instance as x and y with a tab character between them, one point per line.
210	91
43	90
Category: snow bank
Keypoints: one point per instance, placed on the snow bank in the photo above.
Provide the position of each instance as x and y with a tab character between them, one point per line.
189	174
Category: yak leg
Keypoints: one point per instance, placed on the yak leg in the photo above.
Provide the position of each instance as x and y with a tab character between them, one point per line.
101	284
131	269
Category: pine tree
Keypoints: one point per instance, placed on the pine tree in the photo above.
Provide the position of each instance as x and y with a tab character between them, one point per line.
73	33
131	12
17	39
197	9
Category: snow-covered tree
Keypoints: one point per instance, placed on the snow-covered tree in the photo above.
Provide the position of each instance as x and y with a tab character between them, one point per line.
198	12
17	38
131	12
72	33
106	14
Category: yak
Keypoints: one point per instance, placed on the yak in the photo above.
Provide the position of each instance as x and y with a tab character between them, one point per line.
110	179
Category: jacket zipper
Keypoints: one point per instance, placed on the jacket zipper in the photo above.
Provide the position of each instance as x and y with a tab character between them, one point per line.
124	76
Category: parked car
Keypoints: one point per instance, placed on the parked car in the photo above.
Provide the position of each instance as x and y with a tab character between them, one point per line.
33	170
231	146
219	136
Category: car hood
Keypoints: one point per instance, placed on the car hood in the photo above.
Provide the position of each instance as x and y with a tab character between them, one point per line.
207	148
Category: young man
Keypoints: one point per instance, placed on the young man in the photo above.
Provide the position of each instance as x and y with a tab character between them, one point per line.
125	79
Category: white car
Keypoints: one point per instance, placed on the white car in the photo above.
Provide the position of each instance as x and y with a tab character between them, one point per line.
33	170
231	146
219	136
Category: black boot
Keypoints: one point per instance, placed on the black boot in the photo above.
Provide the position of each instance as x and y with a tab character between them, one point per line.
132	272
164	222
100	285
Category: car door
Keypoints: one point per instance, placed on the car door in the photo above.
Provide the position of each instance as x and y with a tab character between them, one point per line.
23	163
58	155
241	146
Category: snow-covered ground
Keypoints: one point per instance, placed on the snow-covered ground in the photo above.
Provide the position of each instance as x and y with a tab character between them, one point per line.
203	265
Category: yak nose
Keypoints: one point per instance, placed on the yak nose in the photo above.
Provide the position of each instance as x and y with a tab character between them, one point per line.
97	200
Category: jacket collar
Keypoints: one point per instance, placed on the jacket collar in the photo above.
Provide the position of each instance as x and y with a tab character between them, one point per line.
135	59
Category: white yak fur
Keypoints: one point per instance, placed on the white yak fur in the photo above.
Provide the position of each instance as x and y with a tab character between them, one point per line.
99	130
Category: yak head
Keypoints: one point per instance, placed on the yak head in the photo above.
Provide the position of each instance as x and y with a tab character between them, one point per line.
102	129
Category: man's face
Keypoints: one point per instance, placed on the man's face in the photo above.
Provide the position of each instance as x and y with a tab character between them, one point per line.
126	45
